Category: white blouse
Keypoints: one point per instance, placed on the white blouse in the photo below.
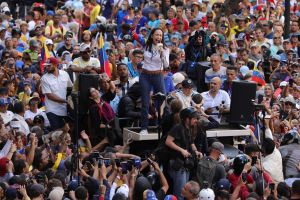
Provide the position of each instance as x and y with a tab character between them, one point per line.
153	61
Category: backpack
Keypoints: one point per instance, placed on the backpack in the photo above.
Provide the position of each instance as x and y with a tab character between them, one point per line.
106	112
61	29
206	169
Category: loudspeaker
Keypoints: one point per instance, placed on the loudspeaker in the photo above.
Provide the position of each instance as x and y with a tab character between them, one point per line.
86	81
241	107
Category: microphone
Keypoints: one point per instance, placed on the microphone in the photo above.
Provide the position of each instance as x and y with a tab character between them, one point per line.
160	47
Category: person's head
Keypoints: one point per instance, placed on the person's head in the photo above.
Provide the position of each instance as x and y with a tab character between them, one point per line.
215	84
239	163
8	43
268	90
3	105
19	108
294	26
137	56
277	39
241	22
155	37
94	93
287	45
85	51
19	167
216	62
268	146
36	191
283	190
190	190
216	149
51	65
56	19
86	36
122	71
189	116
49	44
104	82
187	87
33	45
252	150
41	158
81	193
231	73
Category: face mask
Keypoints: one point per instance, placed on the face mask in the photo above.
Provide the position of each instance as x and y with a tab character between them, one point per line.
221	158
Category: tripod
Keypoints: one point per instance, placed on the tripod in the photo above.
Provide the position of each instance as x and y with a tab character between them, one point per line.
160	98
75	156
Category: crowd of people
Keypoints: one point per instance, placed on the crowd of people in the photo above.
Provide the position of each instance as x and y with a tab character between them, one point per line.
169	64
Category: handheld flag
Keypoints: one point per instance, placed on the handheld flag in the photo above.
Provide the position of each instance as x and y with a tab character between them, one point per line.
103	58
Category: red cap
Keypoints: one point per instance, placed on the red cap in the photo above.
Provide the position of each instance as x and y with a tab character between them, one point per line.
52	60
3	169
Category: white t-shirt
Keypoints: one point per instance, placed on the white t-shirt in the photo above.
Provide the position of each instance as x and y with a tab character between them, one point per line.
58	86
7	117
214	102
30	115
79	62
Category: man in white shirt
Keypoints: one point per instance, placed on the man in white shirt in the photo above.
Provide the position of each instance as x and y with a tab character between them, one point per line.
272	160
34	111
85	63
18	119
216	101
5	114
54	86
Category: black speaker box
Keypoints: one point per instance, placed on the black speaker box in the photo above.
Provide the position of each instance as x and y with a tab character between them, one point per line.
85	82
241	107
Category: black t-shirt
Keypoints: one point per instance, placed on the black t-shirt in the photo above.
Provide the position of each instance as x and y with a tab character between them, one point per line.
62	49
182	138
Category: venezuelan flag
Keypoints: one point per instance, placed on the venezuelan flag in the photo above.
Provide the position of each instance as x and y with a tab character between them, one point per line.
45	54
258	78
103	57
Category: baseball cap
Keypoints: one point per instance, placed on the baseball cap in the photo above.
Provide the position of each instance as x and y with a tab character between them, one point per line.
244	70
187	83
276	57
170	197
48	41
3	101
218	146
84	47
33	43
143	28
169	22
36	190
123	189
289	99
50	13
52	60
177	78
253	44
266	44
34	99
223	184
11	193
149	195
283	84
56	193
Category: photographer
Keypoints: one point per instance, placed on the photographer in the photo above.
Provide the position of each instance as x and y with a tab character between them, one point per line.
182	148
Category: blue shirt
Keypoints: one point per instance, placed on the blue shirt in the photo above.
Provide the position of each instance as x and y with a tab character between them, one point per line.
169	83
121	14
132	73
142	22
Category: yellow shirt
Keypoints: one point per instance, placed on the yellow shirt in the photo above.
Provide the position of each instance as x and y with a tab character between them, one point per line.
42	39
61	30
94	13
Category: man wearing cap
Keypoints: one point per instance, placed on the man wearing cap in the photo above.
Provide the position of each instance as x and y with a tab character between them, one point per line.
54	86
217	170
185	94
286	47
6	115
33	50
170	33
240	28
67	44
255	54
39	34
34	111
216	101
85	63
289	105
